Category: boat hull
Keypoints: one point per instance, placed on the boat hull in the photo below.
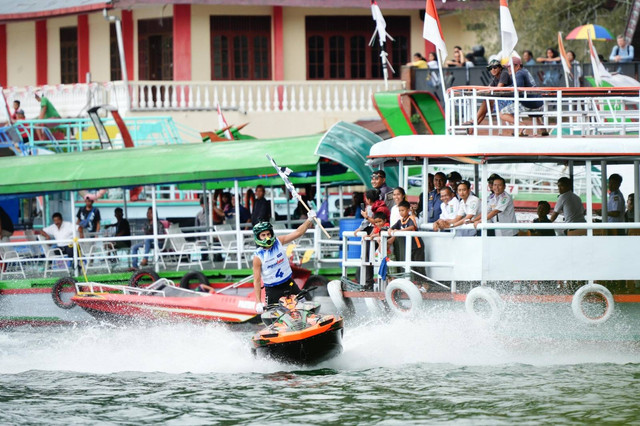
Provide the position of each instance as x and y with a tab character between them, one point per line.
305	351
118	307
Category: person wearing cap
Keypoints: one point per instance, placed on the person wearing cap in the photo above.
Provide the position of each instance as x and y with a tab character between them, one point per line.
500	78
379	182
523	79
88	217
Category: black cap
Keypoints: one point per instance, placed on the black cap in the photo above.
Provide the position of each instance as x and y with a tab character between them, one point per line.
454	176
493	63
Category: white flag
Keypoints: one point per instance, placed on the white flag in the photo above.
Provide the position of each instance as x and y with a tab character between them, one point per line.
432	31
599	70
507	30
381	25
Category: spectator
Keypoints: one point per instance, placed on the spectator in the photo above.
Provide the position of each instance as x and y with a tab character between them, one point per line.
551	57
576	68
24	133
549	77
500	78
433	198
374	205
60	231
453	179
122	229
501	208
379	182
569	204
527	58
261	207
16	108
478	56
399	195
47	110
147	243
623	52
615	203
88	217
543	210
468	209
523	79
356	207
408	222
458	58
449	210
628	215
230	214
6	225
468	60
225	205
201	218
434	77
419	61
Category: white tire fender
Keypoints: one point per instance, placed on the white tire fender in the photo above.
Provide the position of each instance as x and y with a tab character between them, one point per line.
493	300
579	298
411	303
343	306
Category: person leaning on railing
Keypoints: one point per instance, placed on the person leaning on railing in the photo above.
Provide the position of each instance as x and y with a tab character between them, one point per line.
500	78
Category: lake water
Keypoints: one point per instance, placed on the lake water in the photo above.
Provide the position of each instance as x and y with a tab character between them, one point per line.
429	370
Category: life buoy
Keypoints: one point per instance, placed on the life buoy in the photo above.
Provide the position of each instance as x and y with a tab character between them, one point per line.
493	303
197	276
56	292
376	307
343	306
143	276
403	297
594	294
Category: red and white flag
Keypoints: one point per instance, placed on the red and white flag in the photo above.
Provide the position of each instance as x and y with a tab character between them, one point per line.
222	123
566	65
507	30
599	70
381	25
432	31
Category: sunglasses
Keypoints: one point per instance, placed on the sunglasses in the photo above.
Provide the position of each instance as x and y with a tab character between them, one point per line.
495	67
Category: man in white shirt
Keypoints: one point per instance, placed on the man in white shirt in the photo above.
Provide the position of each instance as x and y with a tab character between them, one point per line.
449	209
467	210
569	204
501	209
60	231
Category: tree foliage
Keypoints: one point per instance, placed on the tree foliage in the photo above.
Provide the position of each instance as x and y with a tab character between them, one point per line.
538	22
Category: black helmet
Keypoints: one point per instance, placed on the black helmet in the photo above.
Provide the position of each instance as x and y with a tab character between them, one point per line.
258	229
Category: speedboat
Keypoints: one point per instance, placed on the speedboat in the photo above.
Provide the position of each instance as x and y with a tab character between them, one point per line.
149	297
163	299
296	334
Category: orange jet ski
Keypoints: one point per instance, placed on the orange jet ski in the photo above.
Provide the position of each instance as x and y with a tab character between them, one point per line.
296	334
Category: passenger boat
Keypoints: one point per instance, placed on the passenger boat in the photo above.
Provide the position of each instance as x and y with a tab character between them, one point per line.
580	285
296	333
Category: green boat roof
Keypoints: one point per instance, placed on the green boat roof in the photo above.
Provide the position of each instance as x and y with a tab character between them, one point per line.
155	165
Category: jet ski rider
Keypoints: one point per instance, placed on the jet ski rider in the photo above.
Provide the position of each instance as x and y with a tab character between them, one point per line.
270	263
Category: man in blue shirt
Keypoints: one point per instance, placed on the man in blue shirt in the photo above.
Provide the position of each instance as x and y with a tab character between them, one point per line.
623	52
523	79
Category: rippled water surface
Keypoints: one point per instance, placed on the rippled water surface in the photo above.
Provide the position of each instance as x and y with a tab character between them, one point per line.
419	371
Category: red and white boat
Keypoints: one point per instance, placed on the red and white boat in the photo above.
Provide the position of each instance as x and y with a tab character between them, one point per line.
165	300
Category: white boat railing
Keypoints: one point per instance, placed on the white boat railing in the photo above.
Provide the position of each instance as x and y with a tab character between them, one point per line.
564	112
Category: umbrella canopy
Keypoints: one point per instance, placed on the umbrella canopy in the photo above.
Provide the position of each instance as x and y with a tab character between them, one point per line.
598	32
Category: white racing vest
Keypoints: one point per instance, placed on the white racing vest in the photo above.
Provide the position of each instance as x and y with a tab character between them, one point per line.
275	265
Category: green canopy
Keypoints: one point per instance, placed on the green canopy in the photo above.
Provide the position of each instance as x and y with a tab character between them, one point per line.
155	165
349	144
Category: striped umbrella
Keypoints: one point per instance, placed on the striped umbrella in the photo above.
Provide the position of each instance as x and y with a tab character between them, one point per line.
598	32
